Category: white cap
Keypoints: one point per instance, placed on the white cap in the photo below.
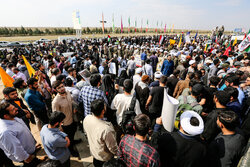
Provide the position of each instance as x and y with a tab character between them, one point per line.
138	70
187	127
158	74
191	62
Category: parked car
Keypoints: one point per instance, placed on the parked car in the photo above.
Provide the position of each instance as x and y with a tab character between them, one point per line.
42	40
16	44
3	43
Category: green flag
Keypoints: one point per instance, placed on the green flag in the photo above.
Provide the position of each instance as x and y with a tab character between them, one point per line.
129	21
113	26
247	50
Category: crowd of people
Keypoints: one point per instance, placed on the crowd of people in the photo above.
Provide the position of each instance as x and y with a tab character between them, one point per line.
99	87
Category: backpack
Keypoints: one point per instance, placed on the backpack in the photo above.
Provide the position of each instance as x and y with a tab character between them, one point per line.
183	107
128	117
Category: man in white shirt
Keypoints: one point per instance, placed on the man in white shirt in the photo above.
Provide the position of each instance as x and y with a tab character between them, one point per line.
121	102
18	74
147	69
9	71
131	66
136	78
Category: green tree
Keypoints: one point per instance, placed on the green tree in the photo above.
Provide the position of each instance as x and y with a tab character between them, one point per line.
47	31
22	31
88	31
29	31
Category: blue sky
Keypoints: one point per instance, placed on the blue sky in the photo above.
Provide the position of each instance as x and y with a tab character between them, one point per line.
185	14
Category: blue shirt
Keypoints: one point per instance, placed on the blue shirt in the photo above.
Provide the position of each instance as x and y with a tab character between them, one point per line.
143	56
241	95
34	100
54	143
89	94
16	140
167	67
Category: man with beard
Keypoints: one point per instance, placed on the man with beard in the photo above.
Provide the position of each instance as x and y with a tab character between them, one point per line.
64	102
16	140
56	142
10	95
36	102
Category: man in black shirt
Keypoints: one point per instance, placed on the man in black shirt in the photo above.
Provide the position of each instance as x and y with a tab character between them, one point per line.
172	81
155	99
181	148
211	130
228	146
209	94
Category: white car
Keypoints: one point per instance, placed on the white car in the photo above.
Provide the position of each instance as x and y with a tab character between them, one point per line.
41	41
3	43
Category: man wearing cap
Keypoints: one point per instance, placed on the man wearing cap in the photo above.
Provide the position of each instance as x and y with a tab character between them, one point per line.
181	148
156	82
136	77
192	67
167	66
223	72
142	92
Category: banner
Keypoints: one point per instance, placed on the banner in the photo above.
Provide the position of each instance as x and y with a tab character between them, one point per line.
159	64
169	110
244	44
138	60
76	20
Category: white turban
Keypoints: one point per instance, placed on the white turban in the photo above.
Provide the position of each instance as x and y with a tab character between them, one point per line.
158	75
187	127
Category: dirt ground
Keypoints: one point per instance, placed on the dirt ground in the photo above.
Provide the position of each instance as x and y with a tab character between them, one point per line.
83	147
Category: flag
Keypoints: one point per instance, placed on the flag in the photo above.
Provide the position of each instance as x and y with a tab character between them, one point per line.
147	27
172	30
171	41
121	25
227	51
128	24
161	39
244	45
179	45
216	39
187	37
235	41
244	36
206	47
156	26
102	23
165	28
135	24
141	24
113	24
109	38
195	37
6	79
169	27
161	27
30	69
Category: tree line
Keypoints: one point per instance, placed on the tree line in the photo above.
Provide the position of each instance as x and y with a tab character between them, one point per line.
23	31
